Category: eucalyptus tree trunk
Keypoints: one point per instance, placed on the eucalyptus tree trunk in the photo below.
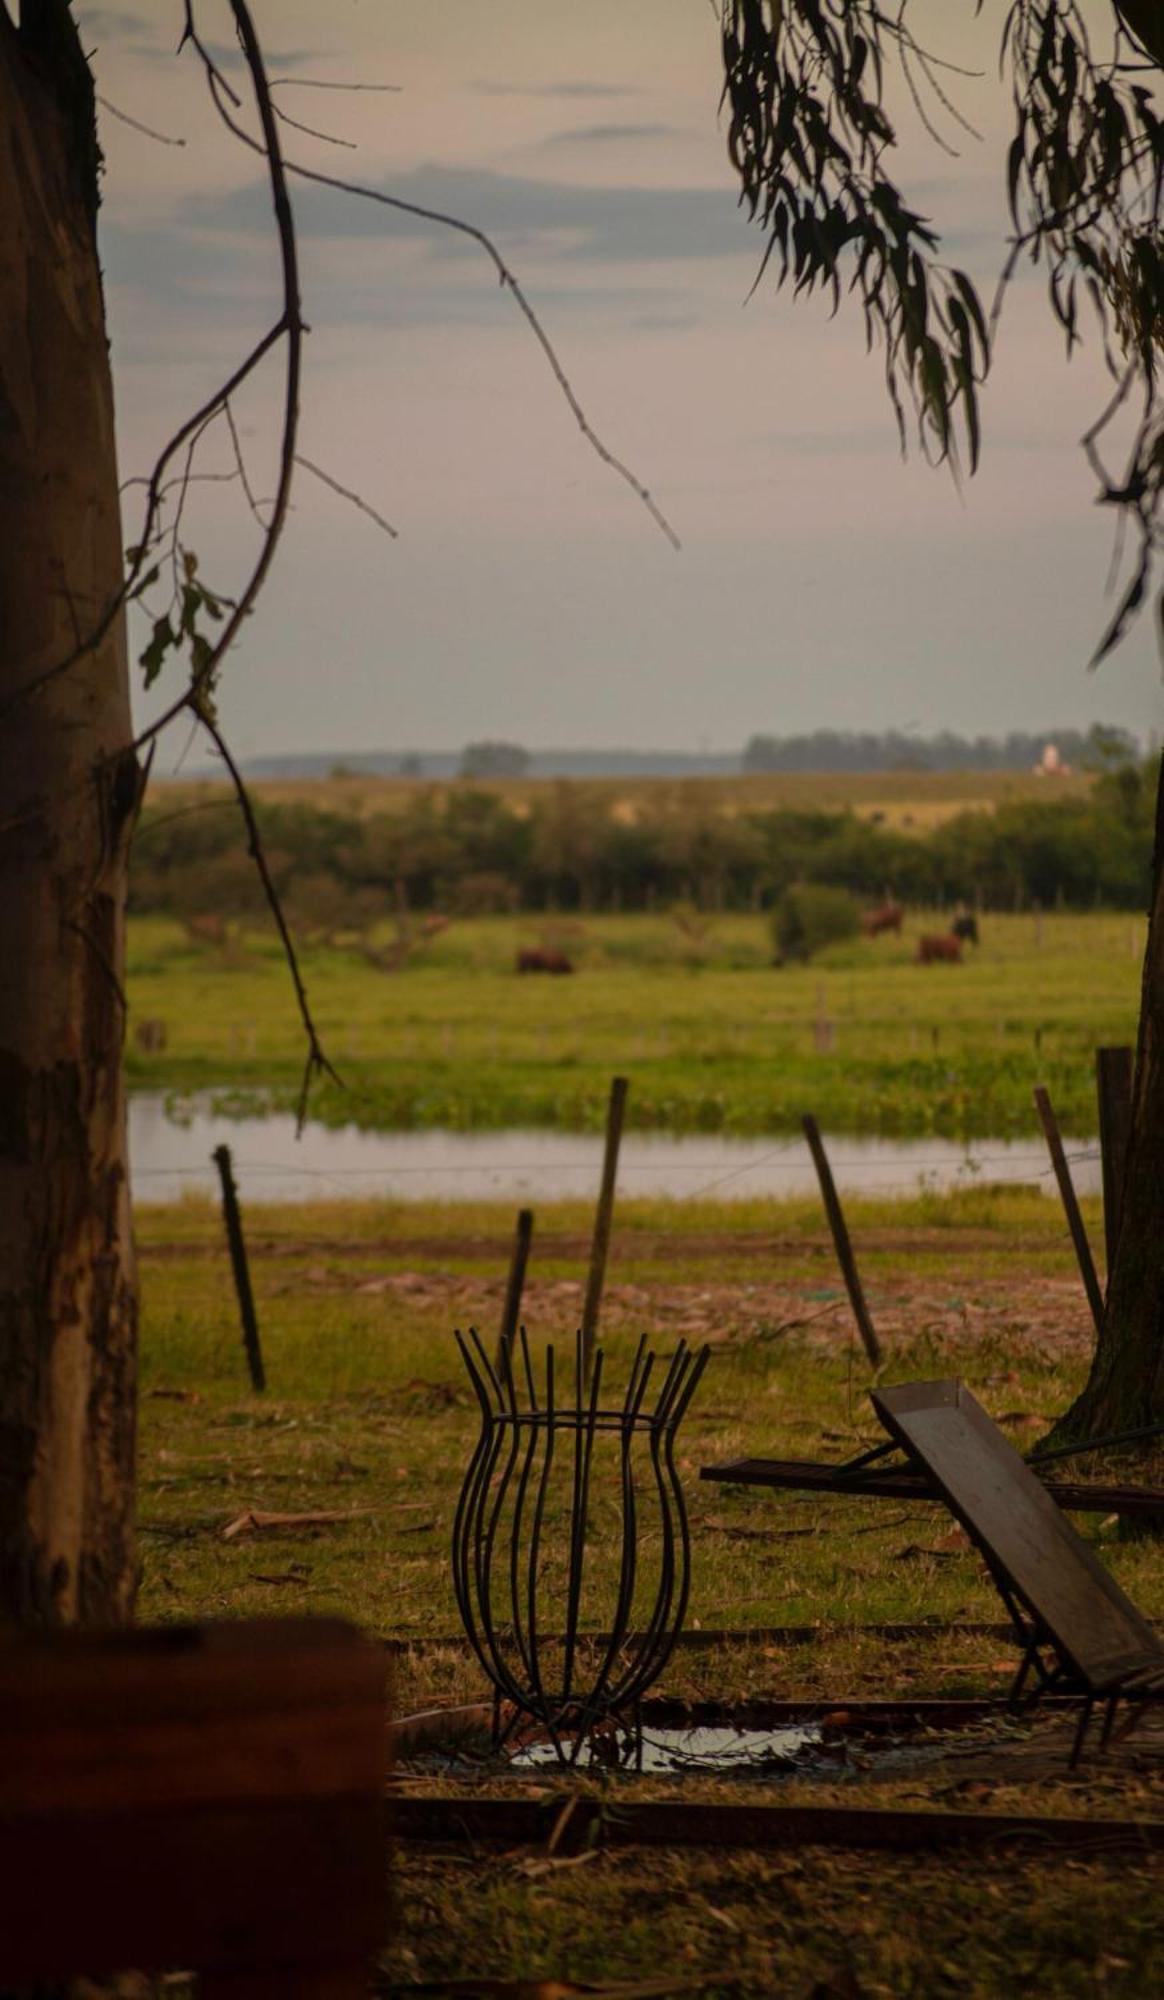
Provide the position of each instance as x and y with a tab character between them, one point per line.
69	788
1126	1385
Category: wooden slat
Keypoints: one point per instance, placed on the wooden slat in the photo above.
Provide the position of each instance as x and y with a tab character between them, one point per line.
1026	1539
192	1714
197	1796
208	1887
898	1482
675	1823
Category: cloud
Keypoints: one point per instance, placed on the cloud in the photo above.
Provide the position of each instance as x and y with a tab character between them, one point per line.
609	224
226	54
109	23
579	88
603	134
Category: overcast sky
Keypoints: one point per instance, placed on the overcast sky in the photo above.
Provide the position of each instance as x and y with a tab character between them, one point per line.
821	581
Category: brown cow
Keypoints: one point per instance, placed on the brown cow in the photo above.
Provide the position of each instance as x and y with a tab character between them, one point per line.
888	917
543	961
944	950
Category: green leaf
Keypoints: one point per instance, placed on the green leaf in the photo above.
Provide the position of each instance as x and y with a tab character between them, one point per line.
152	659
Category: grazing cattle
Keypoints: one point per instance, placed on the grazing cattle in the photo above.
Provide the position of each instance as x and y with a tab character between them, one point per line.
965	927
945	950
543	961
888	917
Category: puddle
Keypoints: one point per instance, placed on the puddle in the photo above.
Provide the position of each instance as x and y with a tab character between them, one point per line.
846	1748
725	1752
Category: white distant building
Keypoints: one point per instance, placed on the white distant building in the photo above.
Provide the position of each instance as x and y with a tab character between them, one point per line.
1050	764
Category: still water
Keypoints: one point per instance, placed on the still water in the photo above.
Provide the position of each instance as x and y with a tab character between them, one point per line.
171	1145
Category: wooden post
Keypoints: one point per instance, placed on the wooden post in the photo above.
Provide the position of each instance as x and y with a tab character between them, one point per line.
1113	1080
238	1264
605	1210
841	1243
517	1263
1083	1255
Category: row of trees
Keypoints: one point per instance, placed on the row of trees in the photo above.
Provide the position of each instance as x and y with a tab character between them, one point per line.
899	750
468	852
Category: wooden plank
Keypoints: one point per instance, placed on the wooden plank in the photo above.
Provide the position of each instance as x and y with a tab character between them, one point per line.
1083	1257
676	1823
208	1887
900	1482
206	1796
841	1243
1012	1518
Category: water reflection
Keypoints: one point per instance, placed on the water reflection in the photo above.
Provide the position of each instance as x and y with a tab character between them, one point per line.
170	1153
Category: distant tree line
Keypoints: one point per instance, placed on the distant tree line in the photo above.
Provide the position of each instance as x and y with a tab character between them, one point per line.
898	750
468	852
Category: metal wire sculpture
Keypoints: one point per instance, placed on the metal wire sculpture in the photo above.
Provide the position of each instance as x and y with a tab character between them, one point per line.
504	1559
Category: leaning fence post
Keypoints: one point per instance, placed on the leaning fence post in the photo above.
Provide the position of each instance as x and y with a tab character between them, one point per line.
841	1243
602	1218
1083	1255
515	1287
238	1263
1113	1080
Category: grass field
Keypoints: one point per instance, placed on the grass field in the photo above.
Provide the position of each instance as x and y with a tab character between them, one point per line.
367	1416
711	1036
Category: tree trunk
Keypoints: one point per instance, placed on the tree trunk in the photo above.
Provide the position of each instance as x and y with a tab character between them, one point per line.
1126	1385
69	788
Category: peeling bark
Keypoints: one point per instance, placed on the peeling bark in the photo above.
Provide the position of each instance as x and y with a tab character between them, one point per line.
69	789
1126	1385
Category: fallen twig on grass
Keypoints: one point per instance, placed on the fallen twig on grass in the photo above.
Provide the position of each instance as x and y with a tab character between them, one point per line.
256	1521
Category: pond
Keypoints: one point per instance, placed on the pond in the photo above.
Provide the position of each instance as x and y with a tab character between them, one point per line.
171	1144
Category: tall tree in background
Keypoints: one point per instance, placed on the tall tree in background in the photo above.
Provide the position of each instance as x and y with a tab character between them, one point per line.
812	142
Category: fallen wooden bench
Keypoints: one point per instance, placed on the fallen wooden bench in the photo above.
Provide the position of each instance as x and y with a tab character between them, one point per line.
876	1473
195	1797
1064	1603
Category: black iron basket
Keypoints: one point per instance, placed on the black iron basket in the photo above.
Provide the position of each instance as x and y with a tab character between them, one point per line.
523	1520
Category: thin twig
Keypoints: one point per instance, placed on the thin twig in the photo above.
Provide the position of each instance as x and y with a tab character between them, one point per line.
162	138
289	324
317	83
313	131
317	1060
507	279
348	494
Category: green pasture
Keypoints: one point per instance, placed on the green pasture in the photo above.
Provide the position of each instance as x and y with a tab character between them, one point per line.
712	1036
368	1406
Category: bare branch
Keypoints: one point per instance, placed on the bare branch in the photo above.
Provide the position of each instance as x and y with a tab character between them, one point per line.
454	222
317	83
348	494
317	1061
137	125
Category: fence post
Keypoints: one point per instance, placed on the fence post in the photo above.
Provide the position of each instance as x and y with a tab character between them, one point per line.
513	1291
1113	1080
1083	1255
841	1243
602	1218
238	1263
